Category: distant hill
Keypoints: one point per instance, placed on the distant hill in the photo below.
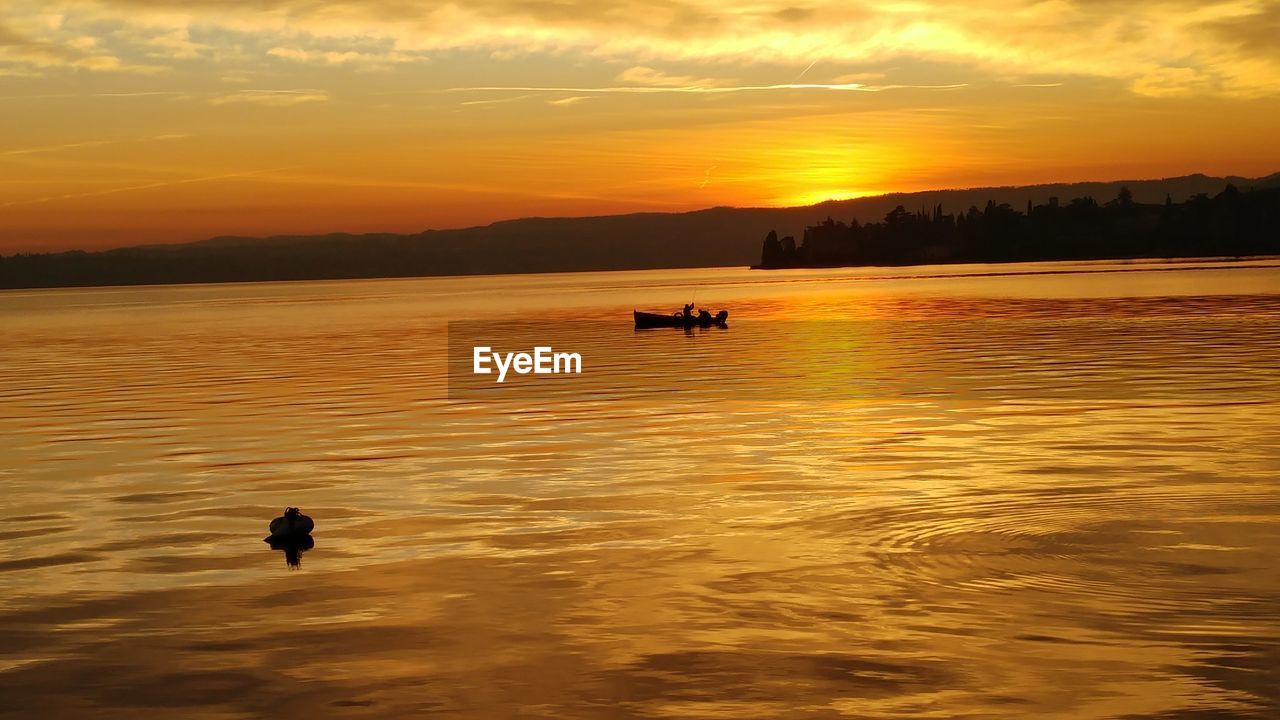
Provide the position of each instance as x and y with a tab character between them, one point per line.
712	237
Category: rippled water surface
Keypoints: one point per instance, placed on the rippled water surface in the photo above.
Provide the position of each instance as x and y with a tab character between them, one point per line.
963	492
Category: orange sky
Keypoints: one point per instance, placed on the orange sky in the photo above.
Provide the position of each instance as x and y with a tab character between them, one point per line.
138	122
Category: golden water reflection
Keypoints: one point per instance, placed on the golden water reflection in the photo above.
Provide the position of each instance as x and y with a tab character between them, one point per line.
1023	551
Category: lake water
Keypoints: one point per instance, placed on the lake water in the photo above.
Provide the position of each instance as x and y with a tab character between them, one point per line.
960	492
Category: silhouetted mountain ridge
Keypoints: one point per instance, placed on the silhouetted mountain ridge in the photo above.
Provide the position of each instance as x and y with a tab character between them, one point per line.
701	238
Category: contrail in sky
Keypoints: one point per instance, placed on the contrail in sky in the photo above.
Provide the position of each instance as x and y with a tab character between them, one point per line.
148	186
806	69
709	89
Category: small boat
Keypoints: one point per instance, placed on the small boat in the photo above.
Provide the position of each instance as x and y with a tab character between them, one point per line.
678	320
293	524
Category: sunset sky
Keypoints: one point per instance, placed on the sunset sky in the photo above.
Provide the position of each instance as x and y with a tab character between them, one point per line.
142	121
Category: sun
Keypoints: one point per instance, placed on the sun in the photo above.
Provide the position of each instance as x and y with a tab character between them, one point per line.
813	197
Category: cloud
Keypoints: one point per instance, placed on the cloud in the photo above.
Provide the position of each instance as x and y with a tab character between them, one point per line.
88	144
499	101
1173	82
343	57
793	14
18	72
145	186
1257	32
1229	46
176	44
701	89
81	96
640	75
22	52
56	148
858	77
275	98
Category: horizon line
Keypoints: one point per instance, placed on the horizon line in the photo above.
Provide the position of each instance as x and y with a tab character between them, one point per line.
849	198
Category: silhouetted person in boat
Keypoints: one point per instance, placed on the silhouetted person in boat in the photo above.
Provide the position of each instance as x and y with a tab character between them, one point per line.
688	311
704	316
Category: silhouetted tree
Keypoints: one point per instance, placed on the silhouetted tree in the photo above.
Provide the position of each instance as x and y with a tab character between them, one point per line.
1125	198
771	255
897	216
1232	223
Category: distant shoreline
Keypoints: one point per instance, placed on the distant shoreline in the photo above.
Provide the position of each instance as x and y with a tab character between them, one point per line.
1233	223
1137	225
1132	265
1215	262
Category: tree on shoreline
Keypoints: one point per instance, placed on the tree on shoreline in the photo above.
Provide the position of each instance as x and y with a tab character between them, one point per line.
1232	223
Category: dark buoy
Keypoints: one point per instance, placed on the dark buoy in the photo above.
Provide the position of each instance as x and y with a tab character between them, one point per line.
291	533
293	524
